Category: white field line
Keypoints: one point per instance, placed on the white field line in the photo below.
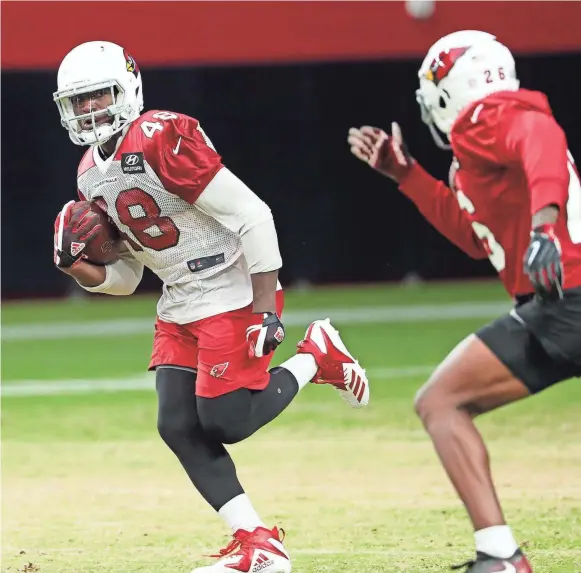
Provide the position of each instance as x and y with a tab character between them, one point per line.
433	552
371	552
147	382
339	316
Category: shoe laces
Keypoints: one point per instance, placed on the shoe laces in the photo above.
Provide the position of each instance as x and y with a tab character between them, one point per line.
235	545
240	542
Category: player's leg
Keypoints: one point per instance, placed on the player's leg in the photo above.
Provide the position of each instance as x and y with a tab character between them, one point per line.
212	471
471	380
500	365
236	415
236	400
207	463
205	460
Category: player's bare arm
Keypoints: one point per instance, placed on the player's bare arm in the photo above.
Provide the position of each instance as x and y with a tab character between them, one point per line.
265	339
233	204
264	287
86	274
546	216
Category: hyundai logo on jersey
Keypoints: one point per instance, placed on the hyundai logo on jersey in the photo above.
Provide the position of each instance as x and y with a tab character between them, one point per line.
132	163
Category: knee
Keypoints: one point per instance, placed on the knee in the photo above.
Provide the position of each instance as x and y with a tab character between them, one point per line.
436	403
175	430
168	431
422	404
177	418
432	404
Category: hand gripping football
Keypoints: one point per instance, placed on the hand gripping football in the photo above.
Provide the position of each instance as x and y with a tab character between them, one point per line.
87	233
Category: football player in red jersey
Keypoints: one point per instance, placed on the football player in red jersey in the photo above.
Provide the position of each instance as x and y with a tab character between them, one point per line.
213	243
514	197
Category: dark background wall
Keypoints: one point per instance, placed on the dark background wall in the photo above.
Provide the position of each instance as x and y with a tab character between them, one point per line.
282	129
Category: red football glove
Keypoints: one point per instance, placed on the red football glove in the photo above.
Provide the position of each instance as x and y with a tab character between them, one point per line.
73	230
387	154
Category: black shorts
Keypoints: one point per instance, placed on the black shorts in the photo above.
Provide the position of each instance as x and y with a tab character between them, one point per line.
539	342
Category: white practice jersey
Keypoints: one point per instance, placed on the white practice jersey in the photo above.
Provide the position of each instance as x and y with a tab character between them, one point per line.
149	189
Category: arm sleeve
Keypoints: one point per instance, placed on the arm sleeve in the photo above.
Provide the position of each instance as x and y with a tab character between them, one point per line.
182	157
536	142
228	200
122	276
437	203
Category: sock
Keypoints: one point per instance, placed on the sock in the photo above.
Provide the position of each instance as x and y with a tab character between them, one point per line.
238	513
303	367
496	541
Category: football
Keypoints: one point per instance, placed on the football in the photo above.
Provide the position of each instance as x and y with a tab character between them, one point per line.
104	248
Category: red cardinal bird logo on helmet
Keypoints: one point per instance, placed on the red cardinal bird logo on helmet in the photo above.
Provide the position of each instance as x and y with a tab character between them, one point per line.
441	66
130	63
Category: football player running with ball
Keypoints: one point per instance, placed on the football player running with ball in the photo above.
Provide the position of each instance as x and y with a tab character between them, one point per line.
213	243
514	197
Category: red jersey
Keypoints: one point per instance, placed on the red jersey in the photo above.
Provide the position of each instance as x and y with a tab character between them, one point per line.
513	161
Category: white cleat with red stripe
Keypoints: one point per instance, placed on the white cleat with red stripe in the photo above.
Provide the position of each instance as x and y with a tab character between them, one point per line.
336	365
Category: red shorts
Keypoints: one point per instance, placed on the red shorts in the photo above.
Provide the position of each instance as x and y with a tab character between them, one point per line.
217	347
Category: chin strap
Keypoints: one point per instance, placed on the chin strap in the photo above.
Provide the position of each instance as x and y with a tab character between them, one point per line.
427	119
438	139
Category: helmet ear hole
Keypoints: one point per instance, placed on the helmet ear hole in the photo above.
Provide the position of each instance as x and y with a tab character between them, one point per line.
443	101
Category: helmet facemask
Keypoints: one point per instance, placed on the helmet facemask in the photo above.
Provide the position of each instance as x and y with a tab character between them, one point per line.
96	133
428	119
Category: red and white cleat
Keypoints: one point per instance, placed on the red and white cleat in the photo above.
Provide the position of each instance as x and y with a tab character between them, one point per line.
336	365
257	551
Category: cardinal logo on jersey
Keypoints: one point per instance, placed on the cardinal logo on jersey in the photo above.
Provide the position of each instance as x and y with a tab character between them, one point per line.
130	63
218	370
442	65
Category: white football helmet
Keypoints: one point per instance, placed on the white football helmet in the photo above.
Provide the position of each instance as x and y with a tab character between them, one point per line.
94	67
461	68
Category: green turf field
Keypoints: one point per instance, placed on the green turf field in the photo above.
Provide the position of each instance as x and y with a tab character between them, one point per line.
89	487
